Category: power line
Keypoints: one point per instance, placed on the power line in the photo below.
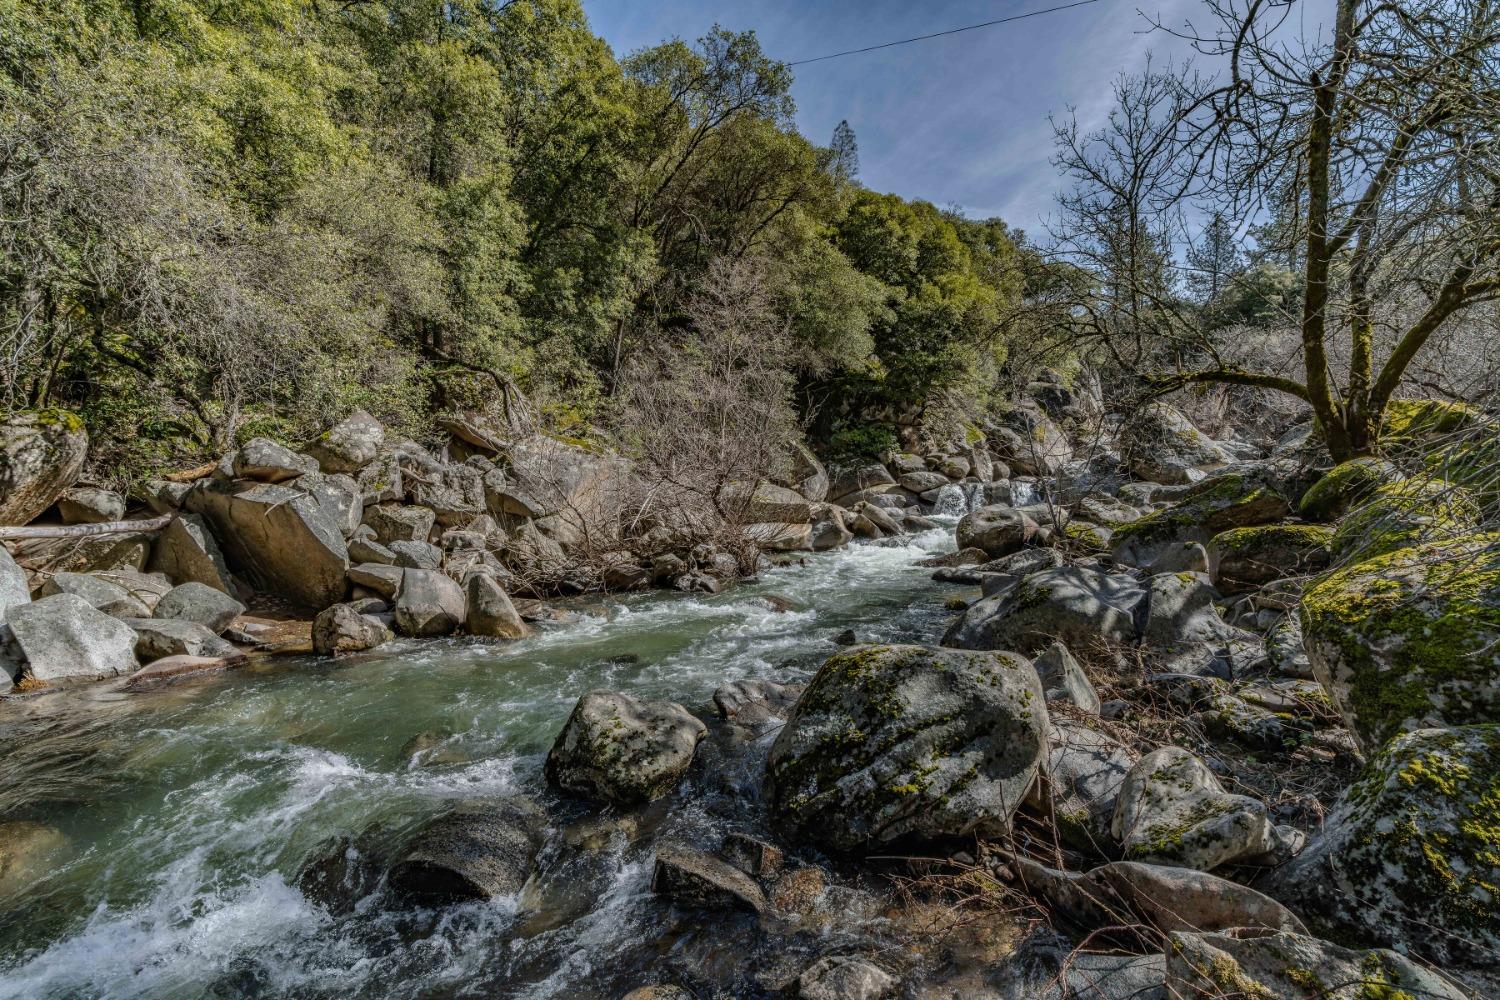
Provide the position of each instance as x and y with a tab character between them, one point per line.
940	34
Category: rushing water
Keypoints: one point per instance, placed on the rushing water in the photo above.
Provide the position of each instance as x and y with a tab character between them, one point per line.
168	828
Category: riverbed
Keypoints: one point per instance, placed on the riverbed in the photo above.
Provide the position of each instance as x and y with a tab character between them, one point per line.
167	829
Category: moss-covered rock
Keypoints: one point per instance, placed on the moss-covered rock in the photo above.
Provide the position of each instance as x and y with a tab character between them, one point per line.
1405	513
41	454
1232	500
1345	486
894	744
1250	964
1410	858
1247	558
1077	605
623	751
1411	638
1413	423
1472	462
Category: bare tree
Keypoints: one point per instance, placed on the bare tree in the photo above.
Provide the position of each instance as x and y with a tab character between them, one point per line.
1372	141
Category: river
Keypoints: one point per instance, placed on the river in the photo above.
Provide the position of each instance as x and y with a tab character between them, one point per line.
172	824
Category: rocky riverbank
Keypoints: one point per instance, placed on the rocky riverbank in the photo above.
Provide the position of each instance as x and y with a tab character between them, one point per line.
1226	731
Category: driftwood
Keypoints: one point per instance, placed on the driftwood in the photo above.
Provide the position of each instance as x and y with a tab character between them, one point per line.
189	475
85	530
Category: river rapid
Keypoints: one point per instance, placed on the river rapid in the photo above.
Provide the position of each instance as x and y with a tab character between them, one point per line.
167	829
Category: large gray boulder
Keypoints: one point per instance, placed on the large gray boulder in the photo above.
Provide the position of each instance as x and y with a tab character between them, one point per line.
41	454
186	551
339	496
107	596
491	613
1077	605
278	537
895	744
64	638
343	629
1083	774
266	461
159	637
480	850
197	602
622	751
396	523
1161	445
13	588
1251	963
148	588
429	604
1173	811
90	505
1408	857
349	445
996	529
805	474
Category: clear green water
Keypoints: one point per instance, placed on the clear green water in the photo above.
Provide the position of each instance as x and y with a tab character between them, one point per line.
185	814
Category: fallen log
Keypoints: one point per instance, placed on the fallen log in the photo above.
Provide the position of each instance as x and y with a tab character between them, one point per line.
85	530
190	475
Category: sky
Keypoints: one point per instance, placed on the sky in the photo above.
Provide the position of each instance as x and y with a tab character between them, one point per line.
959	121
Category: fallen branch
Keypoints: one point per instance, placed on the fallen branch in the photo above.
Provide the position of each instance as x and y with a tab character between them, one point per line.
190	475
85	530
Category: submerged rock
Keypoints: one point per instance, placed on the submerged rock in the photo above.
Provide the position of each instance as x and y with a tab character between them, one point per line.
845	977
622	751
695	878
479	851
908	743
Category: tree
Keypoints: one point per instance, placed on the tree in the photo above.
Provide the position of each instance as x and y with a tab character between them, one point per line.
1213	259
844	153
1374	145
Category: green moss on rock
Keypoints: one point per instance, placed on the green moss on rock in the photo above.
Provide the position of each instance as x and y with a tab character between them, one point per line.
1345	486
1401	514
1410	638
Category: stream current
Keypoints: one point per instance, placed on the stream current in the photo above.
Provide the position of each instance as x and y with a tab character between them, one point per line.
160	834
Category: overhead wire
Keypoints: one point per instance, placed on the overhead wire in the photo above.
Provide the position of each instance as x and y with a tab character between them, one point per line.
941	34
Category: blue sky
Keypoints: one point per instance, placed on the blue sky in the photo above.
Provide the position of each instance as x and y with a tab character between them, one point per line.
960	120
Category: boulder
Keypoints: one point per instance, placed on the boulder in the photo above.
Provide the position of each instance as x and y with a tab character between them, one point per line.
1409	639
1161	445
547	477
490	612
455	497
343	629
771	503
41	454
845	977
382	481
1084	772
921	482
1186	557
349	445
159	637
429	604
377	578
1181	612
171	669
278	537
1250	963
893	744
363	548
1229	500
13	588
109	597
395	523
1063	679
1036	446
756	702
148	588
417	555
90	505
1404	513
1167	900
1077	605
828	529
480	850
1247	558
779	536
805	474
694	878
1408	857
64	638
855	479
197	602
339	496
1173	811
996	529
1345	487
266	461
186	551
623	751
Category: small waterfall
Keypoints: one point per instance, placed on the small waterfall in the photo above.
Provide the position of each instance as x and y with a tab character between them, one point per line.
957	499
1023	493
